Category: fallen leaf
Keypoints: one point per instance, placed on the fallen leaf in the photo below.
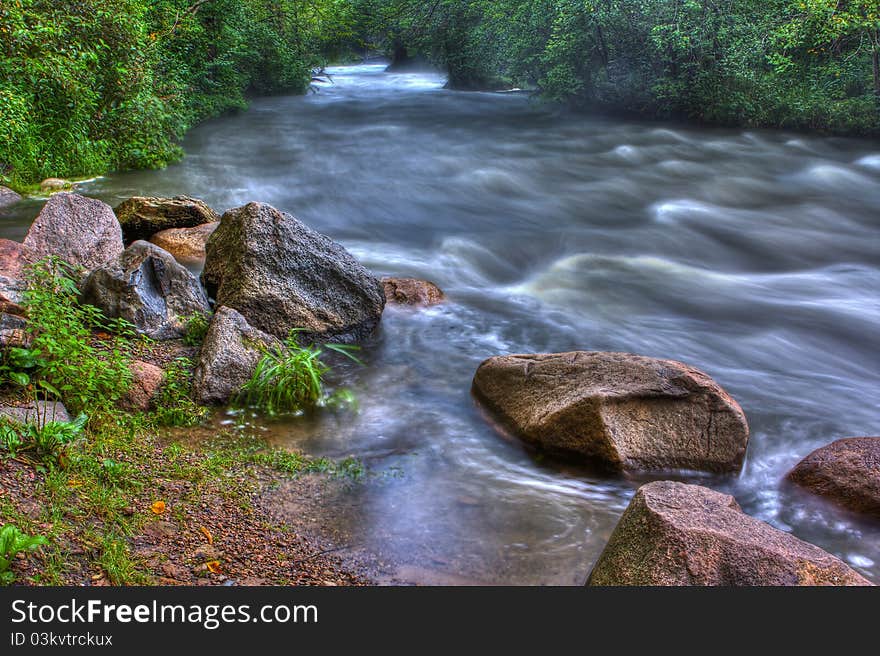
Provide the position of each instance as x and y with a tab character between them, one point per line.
158	507
103	335
213	566
207	534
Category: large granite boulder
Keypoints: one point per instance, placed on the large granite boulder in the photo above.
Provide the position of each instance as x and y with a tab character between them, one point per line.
83	231
149	288
8	197
142	216
186	244
846	471
228	357
412	291
627	411
677	534
281	275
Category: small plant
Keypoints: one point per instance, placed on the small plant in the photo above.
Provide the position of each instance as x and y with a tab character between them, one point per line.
13	542
196	329
65	362
290	378
174	407
44	440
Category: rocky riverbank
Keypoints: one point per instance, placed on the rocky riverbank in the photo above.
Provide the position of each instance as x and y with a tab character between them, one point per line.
199	342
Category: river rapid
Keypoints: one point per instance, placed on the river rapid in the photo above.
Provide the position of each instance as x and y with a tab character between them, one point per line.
752	255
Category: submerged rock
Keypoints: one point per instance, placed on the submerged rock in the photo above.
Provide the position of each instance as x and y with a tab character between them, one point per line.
142	216
281	275
229	355
412	291
185	243
8	197
83	231
149	288
627	411
846	471
55	184
677	534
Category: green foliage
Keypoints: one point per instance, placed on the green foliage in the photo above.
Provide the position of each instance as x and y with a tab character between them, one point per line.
67	365
43	439
92	85
13	542
174	407
196	329
290	378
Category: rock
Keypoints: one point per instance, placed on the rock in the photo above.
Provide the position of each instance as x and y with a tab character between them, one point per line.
149	288
281	275
35	412
185	243
846	471
677	534
146	379
81	230
142	217
412	291
13	331
55	184
14	259
8	197
229	355
628	411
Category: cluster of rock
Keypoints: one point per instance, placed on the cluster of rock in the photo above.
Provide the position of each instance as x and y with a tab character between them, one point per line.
266	273
632	413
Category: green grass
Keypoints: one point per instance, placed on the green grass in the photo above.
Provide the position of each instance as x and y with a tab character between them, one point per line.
174	407
290	378
196	328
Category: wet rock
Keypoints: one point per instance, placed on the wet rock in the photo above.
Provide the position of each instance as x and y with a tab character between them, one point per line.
14	260
83	231
412	291
146	379
281	275
142	217
149	288
230	353
8	197
677	534
38	412
55	184
185	243
846	471
627	411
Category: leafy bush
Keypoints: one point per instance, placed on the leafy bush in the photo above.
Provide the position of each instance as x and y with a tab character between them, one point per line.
67	365
196	328
43	439
290	378
13	542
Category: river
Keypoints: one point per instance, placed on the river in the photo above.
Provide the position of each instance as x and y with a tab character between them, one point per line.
750	254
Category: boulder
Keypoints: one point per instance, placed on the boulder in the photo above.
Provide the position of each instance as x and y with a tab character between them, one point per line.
229	355
8	197
83	231
281	275
149	288
37	412
142	217
677	534
55	184
627	411
14	259
185	243
846	471
146	379
412	291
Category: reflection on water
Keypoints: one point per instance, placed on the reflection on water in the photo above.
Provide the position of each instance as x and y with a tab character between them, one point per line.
752	255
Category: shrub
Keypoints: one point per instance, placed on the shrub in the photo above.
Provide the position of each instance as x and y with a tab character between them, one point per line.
174	407
43	439
196	328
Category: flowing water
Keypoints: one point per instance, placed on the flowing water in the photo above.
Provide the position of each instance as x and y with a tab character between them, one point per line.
752	255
